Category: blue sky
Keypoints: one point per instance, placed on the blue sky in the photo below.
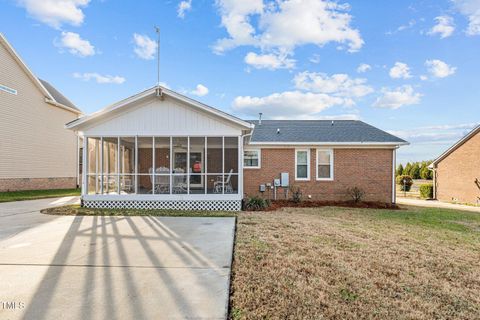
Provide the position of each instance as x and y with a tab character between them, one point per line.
408	67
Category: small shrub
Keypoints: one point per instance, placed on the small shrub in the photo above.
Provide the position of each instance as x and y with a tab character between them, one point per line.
426	191
404	185
256	203
356	194
296	194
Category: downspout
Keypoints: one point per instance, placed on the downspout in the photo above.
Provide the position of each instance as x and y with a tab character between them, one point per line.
241	156
394	167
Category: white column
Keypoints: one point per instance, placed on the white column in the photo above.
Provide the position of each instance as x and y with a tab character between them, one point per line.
240	166
394	160
101	165
85	167
188	165
136	164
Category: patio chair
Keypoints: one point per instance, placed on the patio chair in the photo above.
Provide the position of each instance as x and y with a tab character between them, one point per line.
220	182
179	184
162	183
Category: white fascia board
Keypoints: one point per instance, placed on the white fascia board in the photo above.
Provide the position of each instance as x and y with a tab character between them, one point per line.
153	90
59	105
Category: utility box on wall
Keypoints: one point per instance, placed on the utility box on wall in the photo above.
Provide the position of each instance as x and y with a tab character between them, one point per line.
284	179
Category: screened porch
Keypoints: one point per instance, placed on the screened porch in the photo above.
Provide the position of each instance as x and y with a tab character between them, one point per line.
164	167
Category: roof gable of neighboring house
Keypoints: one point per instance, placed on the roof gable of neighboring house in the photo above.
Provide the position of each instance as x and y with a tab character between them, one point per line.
52	95
320	132
457	145
158	110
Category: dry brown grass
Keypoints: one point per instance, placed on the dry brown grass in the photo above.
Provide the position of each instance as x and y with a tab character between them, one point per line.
339	263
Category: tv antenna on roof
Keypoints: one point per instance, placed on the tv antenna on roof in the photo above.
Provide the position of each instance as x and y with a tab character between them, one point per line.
157	30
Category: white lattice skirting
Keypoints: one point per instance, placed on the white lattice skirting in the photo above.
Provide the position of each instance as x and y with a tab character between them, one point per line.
202	205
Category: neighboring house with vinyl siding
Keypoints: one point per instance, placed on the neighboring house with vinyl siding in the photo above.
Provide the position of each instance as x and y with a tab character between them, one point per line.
36	152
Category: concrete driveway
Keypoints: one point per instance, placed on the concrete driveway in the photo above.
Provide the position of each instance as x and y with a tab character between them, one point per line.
112	267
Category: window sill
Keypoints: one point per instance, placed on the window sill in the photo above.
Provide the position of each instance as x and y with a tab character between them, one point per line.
324	179
251	167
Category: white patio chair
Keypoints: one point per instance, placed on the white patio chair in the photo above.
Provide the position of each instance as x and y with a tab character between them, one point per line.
179	184
220	182
162	183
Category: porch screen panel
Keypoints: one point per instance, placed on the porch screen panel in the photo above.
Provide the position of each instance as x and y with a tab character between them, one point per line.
145	165
215	165
197	165
127	165
180	162
93	166
162	165
110	165
231	165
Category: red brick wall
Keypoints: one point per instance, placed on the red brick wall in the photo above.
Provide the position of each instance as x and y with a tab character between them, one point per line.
458	172
368	169
16	184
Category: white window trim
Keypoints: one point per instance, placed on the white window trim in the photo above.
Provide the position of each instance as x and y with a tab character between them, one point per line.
308	165
259	159
331	165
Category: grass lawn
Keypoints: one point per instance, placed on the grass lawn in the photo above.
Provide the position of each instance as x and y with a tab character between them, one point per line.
37	194
341	263
77	210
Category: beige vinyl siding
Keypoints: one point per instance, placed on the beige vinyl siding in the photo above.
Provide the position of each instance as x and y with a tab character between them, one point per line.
33	140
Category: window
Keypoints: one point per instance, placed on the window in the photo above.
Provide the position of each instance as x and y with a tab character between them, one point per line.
302	164
324	164
251	158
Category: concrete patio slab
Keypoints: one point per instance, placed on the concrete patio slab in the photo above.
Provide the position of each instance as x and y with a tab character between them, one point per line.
436	204
116	267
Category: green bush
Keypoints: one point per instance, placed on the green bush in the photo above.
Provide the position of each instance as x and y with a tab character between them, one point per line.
426	191
404	185
256	204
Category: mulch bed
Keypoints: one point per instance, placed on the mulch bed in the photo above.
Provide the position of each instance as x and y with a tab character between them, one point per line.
278	204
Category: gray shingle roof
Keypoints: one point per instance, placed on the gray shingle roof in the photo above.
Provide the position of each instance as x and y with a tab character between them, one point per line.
60	98
318	131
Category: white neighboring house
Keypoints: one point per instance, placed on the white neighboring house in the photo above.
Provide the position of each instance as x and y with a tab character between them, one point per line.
160	149
36	152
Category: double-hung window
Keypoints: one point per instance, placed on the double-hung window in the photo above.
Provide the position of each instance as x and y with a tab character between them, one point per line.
302	164
324	164
251	159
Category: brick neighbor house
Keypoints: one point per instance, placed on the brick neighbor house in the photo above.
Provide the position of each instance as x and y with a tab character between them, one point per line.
457	171
36	152
160	149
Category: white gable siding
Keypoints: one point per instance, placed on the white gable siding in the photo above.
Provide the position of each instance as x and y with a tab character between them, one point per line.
33	140
162	117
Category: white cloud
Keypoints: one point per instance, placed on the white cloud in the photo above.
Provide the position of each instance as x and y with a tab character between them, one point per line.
362	68
183	7
75	44
435	133
398	97
102	79
269	61
315	22
423	77
200	90
340	85
145	48
315	58
400	71
439	69
470	9
444	27
56	12
286	105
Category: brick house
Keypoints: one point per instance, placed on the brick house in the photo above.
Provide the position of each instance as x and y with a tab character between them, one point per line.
160	149
457	171
36	152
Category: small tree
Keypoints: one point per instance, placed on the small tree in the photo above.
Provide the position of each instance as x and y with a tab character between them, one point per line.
399	171
425	173
405	182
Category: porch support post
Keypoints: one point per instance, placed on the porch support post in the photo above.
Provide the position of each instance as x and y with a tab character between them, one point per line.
240	166
101	165
85	167
118	165
136	164
188	165
171	165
